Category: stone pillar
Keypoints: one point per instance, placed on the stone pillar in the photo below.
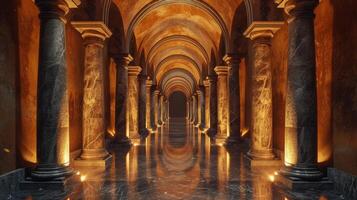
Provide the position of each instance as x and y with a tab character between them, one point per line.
133	104
52	98
122	62
233	61
187	109
93	153
207	85
143	130
262	105
156	108
223	104
301	100
190	101
148	104
162	110
201	108
194	110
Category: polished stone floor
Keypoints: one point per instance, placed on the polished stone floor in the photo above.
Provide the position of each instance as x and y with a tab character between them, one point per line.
177	163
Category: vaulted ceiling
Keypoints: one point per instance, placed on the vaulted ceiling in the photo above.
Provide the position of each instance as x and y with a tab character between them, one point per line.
177	42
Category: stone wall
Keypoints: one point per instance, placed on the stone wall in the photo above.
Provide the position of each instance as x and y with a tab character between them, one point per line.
8	87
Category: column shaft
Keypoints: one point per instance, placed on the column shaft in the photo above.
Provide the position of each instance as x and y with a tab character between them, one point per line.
234	98
122	61
52	98
93	124
207	84
301	100
156	108
148	104
223	104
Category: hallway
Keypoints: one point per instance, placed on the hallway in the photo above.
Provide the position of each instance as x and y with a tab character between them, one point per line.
178	162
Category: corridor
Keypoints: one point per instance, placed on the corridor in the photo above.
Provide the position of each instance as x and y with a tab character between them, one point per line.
178	162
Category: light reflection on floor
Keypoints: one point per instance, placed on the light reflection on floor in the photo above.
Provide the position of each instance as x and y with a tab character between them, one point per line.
178	163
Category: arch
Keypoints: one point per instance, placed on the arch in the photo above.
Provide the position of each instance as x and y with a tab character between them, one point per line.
197	3
179	38
172	62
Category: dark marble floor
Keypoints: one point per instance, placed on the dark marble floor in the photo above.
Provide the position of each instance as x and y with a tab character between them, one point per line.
177	163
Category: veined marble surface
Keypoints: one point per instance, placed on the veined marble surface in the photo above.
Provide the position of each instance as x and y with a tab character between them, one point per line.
176	163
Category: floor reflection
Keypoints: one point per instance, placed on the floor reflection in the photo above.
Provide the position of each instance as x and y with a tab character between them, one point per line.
177	162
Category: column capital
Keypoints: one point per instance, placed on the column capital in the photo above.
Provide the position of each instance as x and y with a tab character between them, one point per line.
295	8
92	29
148	82
156	92
222	70
207	82
199	92
134	70
259	29
232	59
123	59
56	8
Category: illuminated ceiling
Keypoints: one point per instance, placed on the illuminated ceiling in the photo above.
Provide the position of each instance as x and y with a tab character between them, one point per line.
176	42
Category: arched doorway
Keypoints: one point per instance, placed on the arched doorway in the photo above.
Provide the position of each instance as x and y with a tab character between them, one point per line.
177	102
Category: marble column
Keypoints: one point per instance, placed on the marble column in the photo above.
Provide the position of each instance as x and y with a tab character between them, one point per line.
52	98
187	109
191	109
222	104
94	34
162	110
194	110
133	104
207	85
143	130
148	104
212	132
261	83
122	62
233	61
156	108
201	108
301	100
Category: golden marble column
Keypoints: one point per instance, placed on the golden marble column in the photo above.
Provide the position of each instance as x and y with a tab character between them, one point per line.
207	85
156	108
148	105
199	107
162	110
222	104
262	105
93	153
133	104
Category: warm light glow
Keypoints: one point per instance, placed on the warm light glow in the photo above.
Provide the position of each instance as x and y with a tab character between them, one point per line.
83	178
244	131
78	173
271	178
276	173
7	150
111	132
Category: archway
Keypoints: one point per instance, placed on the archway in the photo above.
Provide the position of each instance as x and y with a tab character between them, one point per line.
177	102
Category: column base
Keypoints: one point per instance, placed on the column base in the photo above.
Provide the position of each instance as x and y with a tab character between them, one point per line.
261	155
135	141
255	162
48	177
197	125
220	141
233	140
296	184
103	163
124	141
302	173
